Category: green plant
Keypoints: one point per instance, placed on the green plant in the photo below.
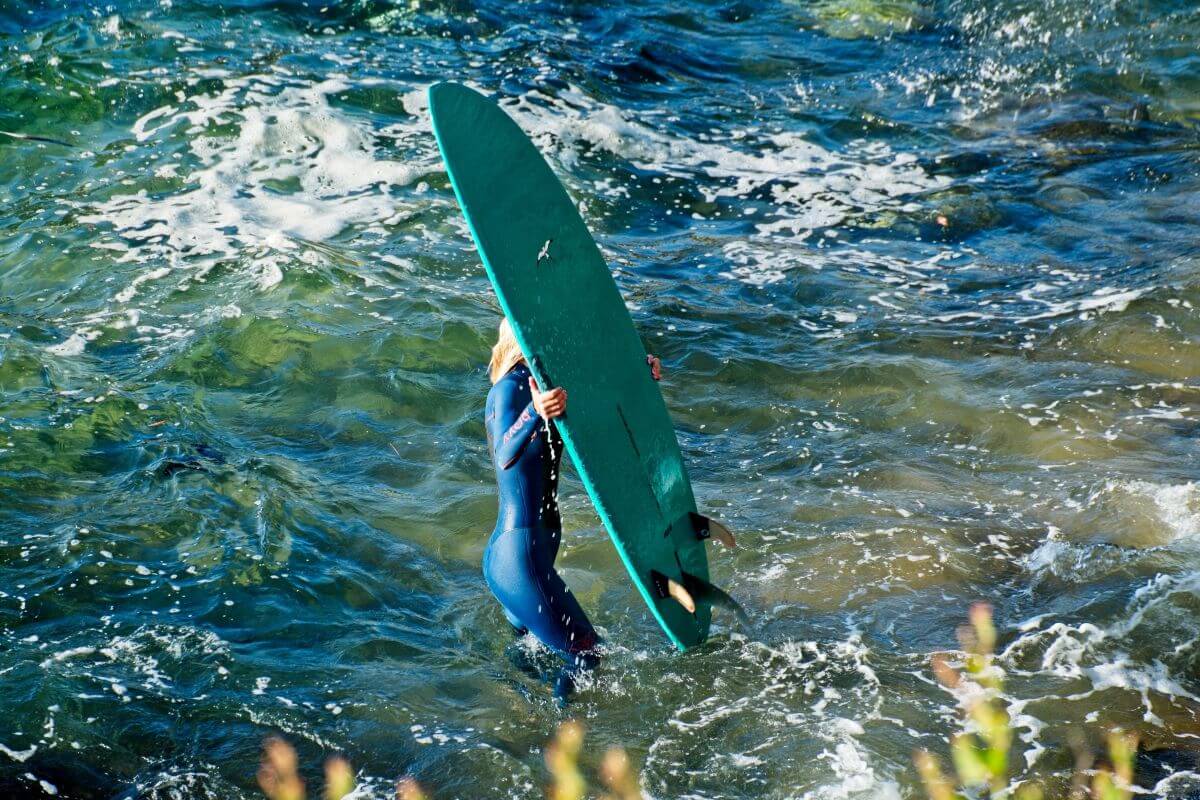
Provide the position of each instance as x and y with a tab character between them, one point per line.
567	778
279	776
1117	784
280	780
980	755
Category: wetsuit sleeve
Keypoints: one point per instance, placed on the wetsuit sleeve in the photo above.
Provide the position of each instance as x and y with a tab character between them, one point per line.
512	423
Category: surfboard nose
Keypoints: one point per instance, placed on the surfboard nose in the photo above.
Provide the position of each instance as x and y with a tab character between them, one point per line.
443	89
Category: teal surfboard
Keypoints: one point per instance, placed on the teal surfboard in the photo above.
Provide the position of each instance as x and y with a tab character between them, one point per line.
576	332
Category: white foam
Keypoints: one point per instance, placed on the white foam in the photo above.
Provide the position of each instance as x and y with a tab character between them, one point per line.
1101	301
63	655
1178	506
810	187
1095	653
1166	787
232	207
856	778
73	345
18	755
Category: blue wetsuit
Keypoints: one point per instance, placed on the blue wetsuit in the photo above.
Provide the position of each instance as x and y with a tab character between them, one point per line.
519	561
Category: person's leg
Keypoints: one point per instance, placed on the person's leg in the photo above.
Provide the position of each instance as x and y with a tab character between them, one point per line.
520	572
518	628
496	569
565	627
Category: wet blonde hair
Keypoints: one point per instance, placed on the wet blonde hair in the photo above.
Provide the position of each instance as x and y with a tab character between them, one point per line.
506	353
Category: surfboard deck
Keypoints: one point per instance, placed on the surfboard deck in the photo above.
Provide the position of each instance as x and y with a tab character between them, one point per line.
576	332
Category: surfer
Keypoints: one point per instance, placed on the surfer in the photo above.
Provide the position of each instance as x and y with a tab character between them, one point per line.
518	563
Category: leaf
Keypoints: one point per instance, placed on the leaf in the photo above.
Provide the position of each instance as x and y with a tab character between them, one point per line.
971	769
936	785
339	778
277	775
985	629
562	759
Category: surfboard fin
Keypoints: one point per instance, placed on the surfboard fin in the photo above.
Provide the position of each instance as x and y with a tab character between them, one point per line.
706	592
709	528
665	587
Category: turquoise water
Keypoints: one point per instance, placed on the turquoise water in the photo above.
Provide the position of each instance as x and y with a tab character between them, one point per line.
923	277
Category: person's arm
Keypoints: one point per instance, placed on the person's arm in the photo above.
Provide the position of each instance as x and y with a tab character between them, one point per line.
514	422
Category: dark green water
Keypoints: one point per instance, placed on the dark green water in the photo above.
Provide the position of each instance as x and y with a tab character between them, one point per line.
923	276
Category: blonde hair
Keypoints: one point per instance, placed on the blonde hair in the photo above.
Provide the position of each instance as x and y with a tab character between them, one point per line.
506	353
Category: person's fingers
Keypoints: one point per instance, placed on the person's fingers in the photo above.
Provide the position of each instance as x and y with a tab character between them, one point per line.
655	366
550	404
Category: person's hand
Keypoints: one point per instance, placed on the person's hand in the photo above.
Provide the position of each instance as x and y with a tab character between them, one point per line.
549	404
655	367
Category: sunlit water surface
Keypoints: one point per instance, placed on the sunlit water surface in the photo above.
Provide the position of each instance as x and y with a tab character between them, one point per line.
923	277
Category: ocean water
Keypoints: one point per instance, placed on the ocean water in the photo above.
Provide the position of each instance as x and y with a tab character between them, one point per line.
924	278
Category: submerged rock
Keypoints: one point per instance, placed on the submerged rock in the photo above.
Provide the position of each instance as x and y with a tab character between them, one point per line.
47	773
869	19
1155	766
202	460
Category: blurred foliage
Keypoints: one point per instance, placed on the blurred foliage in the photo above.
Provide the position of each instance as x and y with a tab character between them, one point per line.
567	779
409	789
980	753
279	775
